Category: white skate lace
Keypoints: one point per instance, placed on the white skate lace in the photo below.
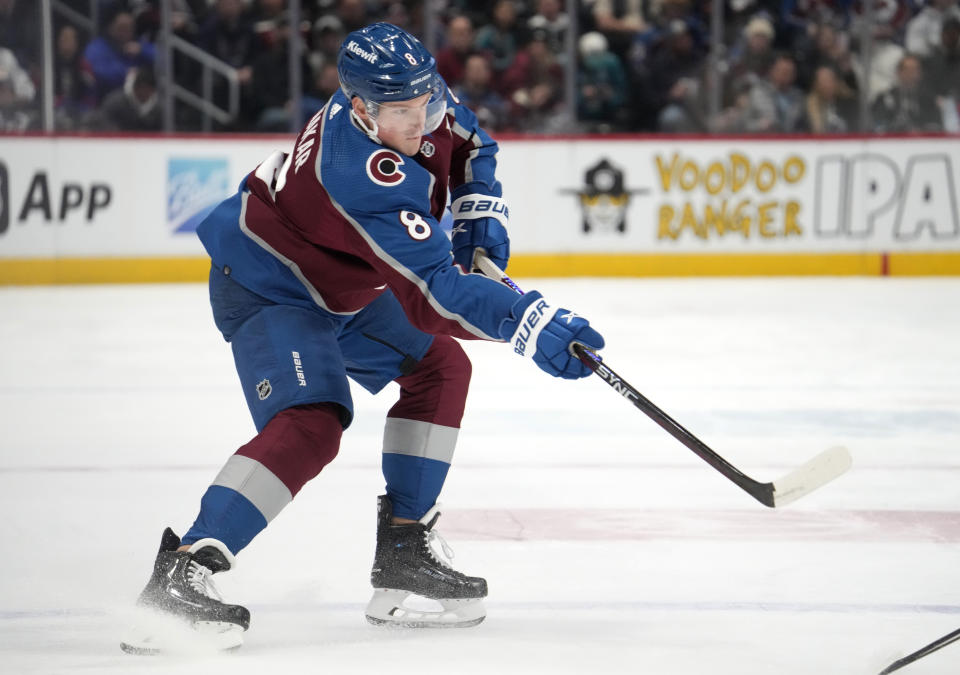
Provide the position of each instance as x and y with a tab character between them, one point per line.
434	536
199	578
431	535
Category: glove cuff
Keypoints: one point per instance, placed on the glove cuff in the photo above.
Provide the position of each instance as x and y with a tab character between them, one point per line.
531	313
473	206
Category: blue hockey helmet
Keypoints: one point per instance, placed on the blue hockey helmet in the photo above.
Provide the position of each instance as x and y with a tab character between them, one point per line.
383	63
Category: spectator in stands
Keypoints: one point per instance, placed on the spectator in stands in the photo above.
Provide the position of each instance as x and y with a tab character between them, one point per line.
269	94
885	56
476	93
328	33
796	17
751	56
20	33
827	47
893	15
452	58
923	30
326	83
554	22
112	55
535	86
395	12
942	65
663	14
736	15
16	114
415	21
907	106
353	14
478	11
500	39
620	21
736	106
73	84
269	20
21	85
674	74
601	84
775	104
131	108
185	18
829	108
227	35
660	20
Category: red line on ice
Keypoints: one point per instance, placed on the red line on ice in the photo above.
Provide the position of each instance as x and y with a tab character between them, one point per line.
642	524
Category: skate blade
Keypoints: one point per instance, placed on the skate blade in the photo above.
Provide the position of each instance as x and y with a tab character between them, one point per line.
154	634
402	609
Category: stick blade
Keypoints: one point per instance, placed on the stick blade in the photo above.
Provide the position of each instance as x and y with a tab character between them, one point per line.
816	473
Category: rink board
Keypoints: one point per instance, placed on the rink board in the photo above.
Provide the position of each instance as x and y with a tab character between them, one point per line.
116	209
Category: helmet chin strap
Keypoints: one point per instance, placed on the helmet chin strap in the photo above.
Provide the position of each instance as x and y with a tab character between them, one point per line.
372	133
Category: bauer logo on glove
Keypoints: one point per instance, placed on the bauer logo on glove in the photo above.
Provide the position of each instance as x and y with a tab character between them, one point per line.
479	224
547	334
530	327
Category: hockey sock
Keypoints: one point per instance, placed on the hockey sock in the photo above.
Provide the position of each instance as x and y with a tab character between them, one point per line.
265	474
422	427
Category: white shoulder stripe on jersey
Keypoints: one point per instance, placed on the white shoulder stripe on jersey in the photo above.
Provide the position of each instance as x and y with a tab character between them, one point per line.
292	266
462	132
409	275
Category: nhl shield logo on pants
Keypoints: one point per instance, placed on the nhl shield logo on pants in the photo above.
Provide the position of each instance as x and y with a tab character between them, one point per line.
264	389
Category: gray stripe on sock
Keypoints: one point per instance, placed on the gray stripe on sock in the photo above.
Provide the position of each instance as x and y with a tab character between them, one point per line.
255	482
419	439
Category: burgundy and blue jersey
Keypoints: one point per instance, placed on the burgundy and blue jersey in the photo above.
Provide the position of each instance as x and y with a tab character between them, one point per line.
340	218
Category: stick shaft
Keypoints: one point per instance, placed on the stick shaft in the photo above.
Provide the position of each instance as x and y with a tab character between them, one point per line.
920	653
762	492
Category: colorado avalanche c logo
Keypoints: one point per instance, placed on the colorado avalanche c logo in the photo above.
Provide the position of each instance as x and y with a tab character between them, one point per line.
383	167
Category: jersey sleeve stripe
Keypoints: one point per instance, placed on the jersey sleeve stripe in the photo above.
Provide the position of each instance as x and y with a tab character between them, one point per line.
473	138
410	276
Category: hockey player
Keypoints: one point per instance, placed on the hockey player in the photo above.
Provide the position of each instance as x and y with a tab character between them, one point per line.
330	263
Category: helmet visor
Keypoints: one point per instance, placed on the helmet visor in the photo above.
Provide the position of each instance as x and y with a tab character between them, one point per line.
401	115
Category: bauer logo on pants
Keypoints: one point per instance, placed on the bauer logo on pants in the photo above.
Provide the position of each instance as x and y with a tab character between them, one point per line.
298	368
264	389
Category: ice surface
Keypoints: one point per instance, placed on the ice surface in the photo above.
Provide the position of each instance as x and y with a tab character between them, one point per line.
608	546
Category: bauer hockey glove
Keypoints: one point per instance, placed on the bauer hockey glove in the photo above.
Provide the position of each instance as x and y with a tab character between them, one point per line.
480	222
547	333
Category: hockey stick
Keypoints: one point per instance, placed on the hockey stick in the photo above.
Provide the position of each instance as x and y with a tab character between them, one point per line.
920	653
817	472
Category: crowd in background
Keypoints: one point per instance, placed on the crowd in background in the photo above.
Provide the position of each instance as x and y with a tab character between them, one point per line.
641	65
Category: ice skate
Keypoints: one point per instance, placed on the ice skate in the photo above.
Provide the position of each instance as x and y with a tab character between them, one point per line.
413	586
180	609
